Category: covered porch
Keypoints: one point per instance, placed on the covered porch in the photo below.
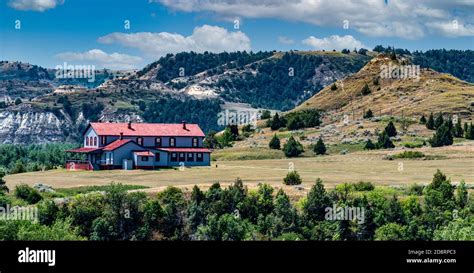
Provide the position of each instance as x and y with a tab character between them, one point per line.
88	159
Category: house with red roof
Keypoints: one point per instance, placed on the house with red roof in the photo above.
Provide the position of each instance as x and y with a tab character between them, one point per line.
141	146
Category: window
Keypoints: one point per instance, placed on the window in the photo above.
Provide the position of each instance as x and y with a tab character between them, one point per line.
195	141
199	157
157	157
95	141
174	157
102	140
158	142
182	157
87	141
140	141
144	158
190	157
91	142
172	142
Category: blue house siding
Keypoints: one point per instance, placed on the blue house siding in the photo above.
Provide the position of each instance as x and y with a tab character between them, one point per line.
206	161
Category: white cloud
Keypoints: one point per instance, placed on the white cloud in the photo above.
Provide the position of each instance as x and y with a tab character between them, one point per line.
453	28
285	40
398	18
101	59
34	5
203	38
334	42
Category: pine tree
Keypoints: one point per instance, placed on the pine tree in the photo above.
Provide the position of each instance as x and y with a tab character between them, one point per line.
292	147
390	129
423	119
469	133
365	90
458	131
442	137
3	185
320	148
276	122
368	114
384	141
369	145
461	195
274	143
292	178
430	124
438	121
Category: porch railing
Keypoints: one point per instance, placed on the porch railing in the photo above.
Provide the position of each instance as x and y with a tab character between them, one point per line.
73	165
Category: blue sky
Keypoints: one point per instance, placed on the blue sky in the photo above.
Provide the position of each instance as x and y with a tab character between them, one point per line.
93	32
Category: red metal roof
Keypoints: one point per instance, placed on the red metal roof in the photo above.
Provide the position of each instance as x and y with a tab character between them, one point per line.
144	153
146	129
186	150
116	144
83	150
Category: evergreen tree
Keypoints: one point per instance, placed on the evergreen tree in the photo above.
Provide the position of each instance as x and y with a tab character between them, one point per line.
292	147
458	130
334	86
369	145
461	195
3	185
394	211
438	121
317	202
442	137
265	114
384	141
390	129
274	143
469	132
368	114
276	122
365	90
423	119
430	124
292	178
320	148
439	194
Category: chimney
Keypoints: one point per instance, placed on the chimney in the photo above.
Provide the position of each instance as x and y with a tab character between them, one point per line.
121	135
184	125
130	125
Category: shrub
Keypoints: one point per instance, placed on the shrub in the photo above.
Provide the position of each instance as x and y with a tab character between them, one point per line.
292	178
423	119
27	193
410	154
274	143
333	87
364	186
430	123
369	145
384	141
292	148
320	148
368	114
265	114
416	189
365	90
390	129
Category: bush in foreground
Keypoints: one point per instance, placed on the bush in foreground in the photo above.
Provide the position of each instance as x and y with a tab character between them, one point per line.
292	178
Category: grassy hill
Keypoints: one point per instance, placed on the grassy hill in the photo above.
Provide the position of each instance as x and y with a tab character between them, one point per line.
431	92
